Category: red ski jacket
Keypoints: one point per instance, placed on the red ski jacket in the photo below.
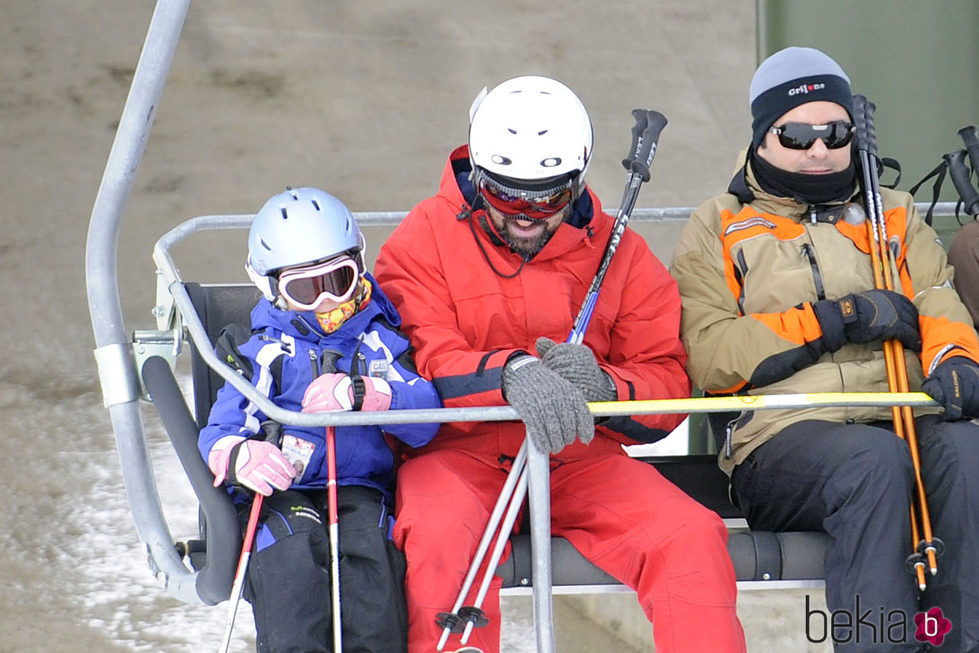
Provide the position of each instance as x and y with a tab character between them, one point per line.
465	319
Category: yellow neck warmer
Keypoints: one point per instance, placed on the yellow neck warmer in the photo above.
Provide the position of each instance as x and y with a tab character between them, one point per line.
332	320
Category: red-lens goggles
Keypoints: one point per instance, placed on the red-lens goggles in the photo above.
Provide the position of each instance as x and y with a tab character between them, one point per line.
532	203
802	136
307	286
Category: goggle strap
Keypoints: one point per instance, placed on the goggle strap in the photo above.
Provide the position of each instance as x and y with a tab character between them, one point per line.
528	194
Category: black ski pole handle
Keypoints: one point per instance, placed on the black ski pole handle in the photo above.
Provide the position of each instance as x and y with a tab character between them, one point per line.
863	120
959	173
971	141
645	136
272	431
330	358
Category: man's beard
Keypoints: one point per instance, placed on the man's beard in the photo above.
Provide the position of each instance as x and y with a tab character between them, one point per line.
527	247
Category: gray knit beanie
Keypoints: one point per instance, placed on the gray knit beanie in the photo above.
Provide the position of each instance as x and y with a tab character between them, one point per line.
791	77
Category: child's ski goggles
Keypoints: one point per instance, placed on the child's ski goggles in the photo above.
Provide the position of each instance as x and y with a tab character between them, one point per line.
802	136
534	203
307	286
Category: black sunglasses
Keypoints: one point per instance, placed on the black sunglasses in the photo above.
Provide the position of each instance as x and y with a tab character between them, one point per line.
801	135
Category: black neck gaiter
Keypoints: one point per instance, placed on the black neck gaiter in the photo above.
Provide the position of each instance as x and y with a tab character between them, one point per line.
804	188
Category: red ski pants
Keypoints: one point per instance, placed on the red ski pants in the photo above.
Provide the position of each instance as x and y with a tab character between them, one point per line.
620	513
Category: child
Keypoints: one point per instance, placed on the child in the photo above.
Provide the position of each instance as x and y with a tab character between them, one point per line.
323	338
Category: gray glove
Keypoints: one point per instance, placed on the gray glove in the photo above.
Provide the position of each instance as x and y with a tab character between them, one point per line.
577	364
553	409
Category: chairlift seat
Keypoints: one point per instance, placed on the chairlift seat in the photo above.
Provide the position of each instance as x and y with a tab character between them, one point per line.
758	557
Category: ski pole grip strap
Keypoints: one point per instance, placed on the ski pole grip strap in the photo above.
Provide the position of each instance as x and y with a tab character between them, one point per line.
863	120
959	173
645	135
971	141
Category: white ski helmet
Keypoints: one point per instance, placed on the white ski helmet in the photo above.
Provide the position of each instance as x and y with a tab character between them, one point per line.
530	129
301	225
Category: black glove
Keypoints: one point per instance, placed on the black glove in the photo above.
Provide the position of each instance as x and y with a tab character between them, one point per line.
866	317
577	364
554	410
955	385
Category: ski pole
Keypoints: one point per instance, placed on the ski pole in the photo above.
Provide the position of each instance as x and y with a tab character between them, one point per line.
449	620
502	537
866	147
236	589
645	135
273	431
959	172
331	491
883	258
330	358
971	140
931	547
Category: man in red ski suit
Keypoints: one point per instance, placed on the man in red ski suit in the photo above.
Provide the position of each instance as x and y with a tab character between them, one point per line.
488	275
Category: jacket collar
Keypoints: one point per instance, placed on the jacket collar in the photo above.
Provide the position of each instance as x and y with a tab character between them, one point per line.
744	186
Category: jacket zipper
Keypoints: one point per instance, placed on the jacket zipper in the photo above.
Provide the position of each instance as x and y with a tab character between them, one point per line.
740	274
817	277
314	363
728	436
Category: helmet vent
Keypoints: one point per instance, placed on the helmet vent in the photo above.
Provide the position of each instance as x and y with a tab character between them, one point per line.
542	132
264	244
285	216
316	205
551	162
501	160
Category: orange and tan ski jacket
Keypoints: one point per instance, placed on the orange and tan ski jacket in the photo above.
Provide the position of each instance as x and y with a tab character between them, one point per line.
750	268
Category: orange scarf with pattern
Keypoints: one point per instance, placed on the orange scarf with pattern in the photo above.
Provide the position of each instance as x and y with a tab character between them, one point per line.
332	320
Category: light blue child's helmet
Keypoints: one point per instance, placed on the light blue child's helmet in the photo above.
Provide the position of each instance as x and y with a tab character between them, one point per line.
300	225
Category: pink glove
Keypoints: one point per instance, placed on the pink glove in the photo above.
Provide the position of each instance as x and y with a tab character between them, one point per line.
260	466
377	394
335	391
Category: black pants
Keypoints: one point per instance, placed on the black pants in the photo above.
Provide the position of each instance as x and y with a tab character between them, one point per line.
288	580
855	482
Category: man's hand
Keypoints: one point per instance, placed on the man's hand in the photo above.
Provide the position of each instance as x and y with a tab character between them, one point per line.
576	363
955	385
868	316
553	409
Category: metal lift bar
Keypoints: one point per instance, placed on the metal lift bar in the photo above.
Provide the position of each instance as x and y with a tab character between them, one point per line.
117	374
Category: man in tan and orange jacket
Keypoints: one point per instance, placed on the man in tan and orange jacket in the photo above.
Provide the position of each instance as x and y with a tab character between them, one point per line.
778	297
